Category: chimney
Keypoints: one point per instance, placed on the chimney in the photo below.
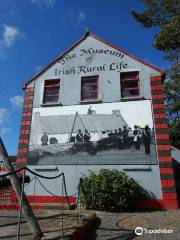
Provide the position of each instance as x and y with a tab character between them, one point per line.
116	112
90	111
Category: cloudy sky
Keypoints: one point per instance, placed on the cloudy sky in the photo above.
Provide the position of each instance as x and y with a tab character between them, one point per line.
33	32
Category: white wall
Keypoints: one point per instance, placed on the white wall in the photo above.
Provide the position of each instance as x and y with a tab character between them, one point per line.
146	176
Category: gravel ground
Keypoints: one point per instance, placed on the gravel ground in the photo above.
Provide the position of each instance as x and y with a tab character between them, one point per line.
122	225
49	220
113	226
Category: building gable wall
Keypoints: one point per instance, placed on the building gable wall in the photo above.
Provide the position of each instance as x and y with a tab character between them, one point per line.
86	59
107	63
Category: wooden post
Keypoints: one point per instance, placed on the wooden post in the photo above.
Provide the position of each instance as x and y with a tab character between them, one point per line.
20	210
27	210
80	200
62	209
70	134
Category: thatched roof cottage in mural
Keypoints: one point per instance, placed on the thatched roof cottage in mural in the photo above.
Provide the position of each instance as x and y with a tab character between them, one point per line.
65	124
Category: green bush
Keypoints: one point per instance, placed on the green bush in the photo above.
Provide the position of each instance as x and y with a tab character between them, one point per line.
111	190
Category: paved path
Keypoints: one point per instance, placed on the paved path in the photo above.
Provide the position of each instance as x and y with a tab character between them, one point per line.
114	225
49	220
109	229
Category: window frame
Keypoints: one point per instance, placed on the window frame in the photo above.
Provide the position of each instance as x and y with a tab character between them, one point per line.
84	78
55	86
137	79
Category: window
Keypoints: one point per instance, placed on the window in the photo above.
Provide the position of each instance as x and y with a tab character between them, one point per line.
129	84
51	91
89	88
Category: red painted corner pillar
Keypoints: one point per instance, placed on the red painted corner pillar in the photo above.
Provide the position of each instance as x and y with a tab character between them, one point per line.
169	200
25	127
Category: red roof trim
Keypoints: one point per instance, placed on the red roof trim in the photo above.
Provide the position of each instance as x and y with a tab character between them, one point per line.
54	61
78	42
130	55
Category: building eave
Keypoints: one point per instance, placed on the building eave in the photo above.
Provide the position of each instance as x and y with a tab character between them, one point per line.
132	56
53	62
77	43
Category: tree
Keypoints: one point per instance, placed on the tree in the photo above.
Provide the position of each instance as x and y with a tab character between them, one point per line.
28	213
111	190
166	15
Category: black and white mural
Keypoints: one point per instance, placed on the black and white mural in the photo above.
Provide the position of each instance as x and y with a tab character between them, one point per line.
103	133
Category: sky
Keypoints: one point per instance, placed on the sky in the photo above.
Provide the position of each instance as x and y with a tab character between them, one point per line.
34	32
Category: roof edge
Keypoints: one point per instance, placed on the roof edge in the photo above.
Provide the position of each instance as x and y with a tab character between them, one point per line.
54	61
87	34
130	55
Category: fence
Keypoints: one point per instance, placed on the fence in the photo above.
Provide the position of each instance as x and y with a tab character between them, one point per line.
7	195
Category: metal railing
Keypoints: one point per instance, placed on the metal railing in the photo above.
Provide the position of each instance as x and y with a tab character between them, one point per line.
63	193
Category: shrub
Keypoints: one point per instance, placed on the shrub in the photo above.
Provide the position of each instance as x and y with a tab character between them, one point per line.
110	190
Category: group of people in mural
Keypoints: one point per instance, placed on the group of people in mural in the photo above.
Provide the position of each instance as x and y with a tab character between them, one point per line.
118	139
